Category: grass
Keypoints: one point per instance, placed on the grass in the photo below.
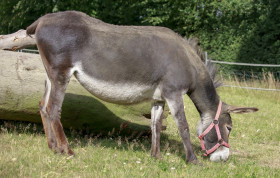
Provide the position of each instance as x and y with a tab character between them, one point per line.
254	141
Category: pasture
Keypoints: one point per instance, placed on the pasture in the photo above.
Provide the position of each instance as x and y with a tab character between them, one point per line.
254	142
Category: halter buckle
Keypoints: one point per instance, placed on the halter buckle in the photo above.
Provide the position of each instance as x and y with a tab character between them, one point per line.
216	122
220	141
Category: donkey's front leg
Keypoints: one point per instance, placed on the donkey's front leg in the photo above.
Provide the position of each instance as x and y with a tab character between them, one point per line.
176	105
156	124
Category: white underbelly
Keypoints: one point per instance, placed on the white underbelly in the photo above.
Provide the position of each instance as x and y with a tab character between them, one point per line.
120	93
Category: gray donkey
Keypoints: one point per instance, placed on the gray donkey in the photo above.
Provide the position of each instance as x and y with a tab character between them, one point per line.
127	65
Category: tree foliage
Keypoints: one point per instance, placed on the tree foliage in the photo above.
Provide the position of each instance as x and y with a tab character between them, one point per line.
230	30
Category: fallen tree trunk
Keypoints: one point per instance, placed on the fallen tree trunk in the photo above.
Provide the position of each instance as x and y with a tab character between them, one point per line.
17	40
22	78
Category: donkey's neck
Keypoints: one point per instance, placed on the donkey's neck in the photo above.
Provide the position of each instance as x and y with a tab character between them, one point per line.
205	97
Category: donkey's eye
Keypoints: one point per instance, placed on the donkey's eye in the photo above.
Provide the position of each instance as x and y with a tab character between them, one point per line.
229	128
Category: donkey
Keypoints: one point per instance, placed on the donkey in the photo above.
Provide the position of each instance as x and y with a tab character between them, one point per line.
127	65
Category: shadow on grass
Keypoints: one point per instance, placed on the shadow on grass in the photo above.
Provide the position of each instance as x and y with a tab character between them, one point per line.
92	115
89	121
136	141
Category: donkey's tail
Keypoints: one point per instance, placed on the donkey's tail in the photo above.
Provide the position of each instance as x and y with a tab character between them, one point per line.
31	29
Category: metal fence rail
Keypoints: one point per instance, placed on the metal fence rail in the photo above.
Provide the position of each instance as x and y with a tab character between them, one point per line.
28	51
244	64
251	88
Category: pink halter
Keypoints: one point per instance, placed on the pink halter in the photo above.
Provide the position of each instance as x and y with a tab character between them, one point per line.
220	140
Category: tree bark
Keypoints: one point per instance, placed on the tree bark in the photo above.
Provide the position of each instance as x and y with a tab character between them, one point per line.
22	78
17	40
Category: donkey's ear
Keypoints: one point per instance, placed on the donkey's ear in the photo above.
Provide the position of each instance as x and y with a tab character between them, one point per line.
241	110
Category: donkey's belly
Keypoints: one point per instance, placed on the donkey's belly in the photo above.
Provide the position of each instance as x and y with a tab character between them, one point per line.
118	92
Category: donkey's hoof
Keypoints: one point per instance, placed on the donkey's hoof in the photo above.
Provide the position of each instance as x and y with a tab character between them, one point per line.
64	150
71	153
195	162
52	145
157	156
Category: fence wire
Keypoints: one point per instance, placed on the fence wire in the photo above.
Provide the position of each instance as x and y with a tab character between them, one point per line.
271	76
251	88
245	64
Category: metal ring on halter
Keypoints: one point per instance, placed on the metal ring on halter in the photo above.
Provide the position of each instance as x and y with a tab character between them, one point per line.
216	122
220	141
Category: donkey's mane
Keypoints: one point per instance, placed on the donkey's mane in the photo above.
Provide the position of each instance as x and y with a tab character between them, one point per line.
211	68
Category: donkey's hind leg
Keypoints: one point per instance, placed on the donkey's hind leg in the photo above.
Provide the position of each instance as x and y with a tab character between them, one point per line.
45	118
51	111
156	124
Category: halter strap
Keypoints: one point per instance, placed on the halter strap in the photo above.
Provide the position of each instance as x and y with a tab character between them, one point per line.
215	123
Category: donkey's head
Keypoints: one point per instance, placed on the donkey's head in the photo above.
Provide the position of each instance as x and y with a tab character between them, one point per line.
215	124
214	132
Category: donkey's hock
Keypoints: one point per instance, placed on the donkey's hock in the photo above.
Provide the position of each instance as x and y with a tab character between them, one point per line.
127	65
